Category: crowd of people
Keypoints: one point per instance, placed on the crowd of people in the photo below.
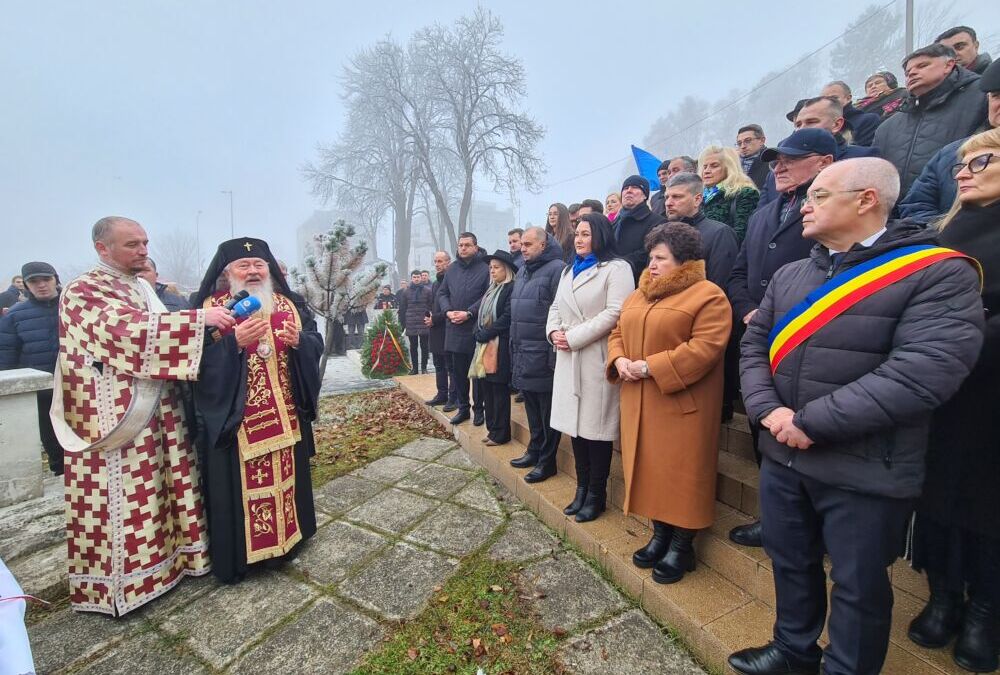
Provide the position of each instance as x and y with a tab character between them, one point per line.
840	285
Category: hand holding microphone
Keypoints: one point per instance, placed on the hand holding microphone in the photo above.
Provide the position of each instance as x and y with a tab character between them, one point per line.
253	328
222	318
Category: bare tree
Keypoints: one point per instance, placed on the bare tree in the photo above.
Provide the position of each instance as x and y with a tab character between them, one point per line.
176	256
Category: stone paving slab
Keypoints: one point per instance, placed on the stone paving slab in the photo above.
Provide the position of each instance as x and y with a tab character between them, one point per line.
388	469
570	593
457	458
43	573
185	592
434	480
398	583
329	637
526	538
426	449
344	493
147	654
32	525
478	495
392	511
455	530
343	376
629	644
225	621
68	637
335	550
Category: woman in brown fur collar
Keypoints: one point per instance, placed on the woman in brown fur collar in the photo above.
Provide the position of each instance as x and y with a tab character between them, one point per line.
667	353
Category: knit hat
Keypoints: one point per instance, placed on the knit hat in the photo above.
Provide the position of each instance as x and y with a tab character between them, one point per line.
637	181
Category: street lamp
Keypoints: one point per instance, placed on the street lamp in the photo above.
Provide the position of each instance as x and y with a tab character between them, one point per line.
232	227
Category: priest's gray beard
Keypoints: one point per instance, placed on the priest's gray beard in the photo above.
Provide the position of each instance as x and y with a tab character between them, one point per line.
263	291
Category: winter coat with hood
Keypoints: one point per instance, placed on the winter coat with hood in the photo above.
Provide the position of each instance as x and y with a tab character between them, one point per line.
414	303
29	335
534	358
954	109
864	386
631	228
462	288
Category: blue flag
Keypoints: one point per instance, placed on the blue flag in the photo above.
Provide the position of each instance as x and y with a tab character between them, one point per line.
647	165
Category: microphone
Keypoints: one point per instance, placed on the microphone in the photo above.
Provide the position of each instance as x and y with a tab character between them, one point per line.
246	307
213	331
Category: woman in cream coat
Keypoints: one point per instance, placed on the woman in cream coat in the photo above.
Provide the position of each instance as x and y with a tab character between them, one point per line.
584	404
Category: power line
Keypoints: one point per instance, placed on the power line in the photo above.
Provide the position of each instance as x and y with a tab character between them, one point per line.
738	98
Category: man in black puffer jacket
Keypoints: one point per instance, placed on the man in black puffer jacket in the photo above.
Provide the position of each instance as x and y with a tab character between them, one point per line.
633	223
533	356
29	338
844	415
459	294
944	105
414	306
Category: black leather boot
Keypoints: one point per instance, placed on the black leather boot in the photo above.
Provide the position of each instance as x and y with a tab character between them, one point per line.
769	660
940	619
679	558
650	554
593	507
577	503
977	644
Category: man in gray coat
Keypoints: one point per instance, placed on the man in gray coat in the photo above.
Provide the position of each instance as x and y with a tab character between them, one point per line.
533	357
844	412
944	104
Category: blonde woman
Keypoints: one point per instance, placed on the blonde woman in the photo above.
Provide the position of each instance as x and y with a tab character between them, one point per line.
730	195
612	205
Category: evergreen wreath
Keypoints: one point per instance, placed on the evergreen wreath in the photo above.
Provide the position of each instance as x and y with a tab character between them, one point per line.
382	355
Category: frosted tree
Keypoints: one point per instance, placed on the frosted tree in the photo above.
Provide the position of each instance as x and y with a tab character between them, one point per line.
335	281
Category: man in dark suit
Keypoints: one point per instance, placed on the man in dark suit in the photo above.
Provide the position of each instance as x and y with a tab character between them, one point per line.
750	143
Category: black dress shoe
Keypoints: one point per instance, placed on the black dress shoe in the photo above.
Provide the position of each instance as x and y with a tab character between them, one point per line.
450	407
414	371
650	554
940	619
977	644
524	461
769	660
479	419
539	473
577	503
437	400
460	417
747	535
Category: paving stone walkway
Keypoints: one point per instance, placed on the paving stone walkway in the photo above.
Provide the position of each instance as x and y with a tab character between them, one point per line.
389	534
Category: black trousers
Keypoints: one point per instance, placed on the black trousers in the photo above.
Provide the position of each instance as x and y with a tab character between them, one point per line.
544	439
53	451
462	363
958	559
444	375
593	464
496	397
415	354
863	534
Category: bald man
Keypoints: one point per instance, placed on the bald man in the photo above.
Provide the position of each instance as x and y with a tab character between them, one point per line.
843	392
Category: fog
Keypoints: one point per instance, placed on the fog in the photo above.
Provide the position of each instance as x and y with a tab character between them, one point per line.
152	109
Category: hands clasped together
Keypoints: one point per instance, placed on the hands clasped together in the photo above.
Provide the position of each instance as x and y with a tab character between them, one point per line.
781	425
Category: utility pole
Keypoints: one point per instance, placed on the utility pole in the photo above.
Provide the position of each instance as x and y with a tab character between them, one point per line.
232	226
909	27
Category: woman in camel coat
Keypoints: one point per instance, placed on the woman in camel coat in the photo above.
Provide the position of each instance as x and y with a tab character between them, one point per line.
584	404
667	353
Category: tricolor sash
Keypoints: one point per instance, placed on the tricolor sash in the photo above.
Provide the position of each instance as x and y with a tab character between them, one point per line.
847	289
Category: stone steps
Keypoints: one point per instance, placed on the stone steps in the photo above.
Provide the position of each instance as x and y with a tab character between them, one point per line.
728	602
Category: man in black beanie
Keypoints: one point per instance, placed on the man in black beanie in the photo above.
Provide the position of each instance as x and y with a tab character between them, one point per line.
634	222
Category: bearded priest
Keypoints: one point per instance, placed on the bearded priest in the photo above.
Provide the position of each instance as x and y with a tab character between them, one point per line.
135	524
256	399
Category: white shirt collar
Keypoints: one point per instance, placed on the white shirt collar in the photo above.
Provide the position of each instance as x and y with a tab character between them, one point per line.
867	243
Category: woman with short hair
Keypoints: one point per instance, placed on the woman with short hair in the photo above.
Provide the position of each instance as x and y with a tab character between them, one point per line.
584	404
612	205
667	354
883	95
730	196
956	534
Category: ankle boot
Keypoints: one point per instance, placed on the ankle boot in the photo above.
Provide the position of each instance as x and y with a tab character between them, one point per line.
593	507
977	643
940	619
679	558
650	554
577	503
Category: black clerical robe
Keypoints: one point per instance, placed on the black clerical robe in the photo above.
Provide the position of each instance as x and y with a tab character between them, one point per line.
255	408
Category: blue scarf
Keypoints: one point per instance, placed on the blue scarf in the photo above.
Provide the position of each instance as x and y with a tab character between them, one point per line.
709	192
581	264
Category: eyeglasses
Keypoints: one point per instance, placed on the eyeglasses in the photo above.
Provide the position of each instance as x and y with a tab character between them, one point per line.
785	159
746	141
817	197
976	164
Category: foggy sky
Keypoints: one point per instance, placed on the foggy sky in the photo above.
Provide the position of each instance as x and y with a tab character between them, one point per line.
149	109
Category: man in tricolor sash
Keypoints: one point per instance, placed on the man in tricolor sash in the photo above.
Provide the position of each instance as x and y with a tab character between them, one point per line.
256	400
134	516
849	353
